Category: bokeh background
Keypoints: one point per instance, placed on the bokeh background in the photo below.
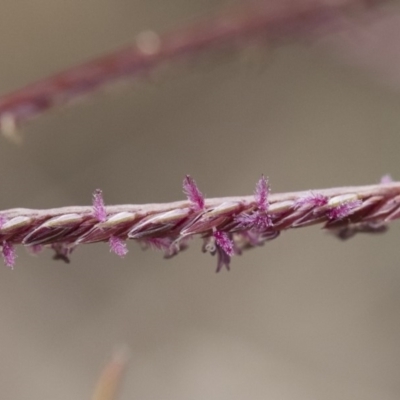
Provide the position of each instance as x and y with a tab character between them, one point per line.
304	317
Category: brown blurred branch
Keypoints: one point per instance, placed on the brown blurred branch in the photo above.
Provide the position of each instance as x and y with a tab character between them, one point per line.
254	21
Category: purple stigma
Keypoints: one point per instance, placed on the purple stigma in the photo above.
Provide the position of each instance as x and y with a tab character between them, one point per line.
98	206
118	246
261	194
9	254
193	193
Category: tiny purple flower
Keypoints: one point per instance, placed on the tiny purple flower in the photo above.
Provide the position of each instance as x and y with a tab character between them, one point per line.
311	200
117	246
9	255
259	219
343	210
193	193
221	245
261	194
222	240
98	206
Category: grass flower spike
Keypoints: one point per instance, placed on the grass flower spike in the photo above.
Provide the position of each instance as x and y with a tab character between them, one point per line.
259	219
227	225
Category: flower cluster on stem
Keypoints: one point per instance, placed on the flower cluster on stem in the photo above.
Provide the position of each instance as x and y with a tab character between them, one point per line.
228	226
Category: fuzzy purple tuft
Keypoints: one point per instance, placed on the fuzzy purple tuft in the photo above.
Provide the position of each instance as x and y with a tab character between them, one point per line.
117	246
343	210
261	194
9	255
222	240
311	200
98	206
221	245
193	193
259	219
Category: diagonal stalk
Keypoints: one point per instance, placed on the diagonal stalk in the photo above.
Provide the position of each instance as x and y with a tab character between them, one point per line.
259	20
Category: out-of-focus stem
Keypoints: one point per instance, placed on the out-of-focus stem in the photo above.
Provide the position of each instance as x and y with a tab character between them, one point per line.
257	20
109	383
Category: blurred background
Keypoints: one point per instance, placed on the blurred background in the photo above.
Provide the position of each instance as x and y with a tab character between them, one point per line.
305	316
